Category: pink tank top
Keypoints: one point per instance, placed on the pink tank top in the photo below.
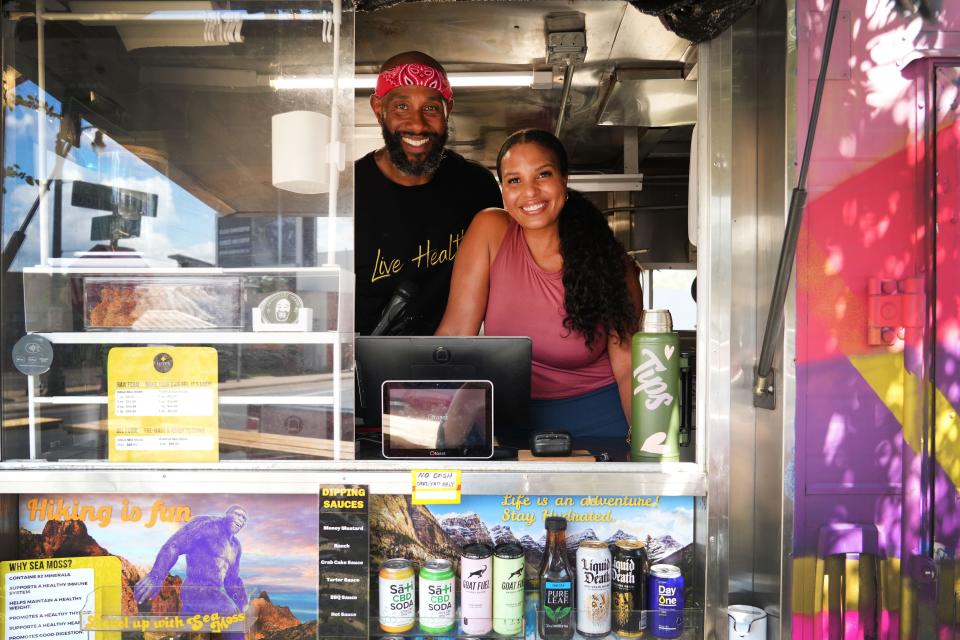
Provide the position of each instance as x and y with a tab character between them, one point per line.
525	300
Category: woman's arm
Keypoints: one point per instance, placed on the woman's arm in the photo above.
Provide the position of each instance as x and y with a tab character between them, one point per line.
620	350
470	285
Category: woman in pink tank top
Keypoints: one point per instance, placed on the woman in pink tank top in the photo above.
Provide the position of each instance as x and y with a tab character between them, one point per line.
549	267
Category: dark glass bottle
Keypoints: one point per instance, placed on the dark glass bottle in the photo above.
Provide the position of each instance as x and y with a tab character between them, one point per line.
557	619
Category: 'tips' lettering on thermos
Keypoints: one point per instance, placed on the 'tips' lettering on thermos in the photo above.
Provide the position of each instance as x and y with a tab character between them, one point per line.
655	415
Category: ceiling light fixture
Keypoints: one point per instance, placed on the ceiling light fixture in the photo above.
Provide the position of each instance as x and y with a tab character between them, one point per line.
457	79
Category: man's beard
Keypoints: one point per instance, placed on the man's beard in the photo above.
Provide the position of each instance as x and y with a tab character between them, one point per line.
399	159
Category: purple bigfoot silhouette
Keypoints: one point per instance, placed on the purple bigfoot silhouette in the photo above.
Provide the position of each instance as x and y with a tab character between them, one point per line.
213	583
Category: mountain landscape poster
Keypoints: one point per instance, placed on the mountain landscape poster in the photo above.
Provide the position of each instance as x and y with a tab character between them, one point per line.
401	529
191	553
420	532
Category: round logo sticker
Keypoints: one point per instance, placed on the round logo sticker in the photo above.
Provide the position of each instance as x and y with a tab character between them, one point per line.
162	362
282	307
32	355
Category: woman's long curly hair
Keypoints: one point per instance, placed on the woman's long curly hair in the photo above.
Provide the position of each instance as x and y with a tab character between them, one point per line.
596	299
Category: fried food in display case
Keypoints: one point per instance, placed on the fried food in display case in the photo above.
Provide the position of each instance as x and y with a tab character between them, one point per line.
157	304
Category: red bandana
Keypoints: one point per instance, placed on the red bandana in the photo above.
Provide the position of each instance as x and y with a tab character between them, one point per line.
415	74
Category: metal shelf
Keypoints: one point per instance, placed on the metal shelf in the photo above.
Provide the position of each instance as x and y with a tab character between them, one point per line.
382	476
224	400
195	337
118	267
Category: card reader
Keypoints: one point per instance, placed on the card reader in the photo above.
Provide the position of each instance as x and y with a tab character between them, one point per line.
551	444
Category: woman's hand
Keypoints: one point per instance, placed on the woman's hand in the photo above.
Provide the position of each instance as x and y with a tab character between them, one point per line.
470	285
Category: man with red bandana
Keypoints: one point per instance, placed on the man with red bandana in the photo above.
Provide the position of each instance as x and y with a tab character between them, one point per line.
414	200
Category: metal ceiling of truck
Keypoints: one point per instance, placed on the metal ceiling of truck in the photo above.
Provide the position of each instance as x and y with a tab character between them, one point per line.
201	110
511	36
695	20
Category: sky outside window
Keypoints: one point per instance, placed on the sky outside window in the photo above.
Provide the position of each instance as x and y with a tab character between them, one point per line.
184	225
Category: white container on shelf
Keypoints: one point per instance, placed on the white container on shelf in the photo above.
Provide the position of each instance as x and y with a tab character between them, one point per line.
299	152
746	622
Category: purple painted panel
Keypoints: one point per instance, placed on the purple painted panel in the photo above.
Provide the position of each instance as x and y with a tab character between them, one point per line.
851	444
883	511
851	441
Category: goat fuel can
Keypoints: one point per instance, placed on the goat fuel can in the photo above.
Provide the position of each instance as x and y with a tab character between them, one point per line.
476	593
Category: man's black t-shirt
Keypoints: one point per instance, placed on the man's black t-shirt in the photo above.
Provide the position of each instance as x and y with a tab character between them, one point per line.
411	234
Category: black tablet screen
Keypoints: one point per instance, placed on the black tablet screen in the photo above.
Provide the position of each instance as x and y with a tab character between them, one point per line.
437	418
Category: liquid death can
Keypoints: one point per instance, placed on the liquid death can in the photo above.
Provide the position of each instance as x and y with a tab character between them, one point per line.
593	589
508	563
666	601
437	596
476	596
630	568
398	600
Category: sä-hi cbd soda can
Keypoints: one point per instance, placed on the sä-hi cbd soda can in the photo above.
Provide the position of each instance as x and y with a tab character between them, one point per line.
398	598
655	418
437	596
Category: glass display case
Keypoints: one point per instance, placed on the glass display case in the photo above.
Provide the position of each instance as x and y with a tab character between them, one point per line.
169	187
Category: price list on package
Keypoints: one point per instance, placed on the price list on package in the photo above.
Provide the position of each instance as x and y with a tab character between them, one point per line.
163	404
178	400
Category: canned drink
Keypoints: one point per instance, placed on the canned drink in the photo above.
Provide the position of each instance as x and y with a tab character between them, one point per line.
476	595
593	589
398	599
508	564
665	595
437	596
630	588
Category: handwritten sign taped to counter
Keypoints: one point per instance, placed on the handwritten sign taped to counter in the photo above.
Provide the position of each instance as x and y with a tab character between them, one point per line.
436	486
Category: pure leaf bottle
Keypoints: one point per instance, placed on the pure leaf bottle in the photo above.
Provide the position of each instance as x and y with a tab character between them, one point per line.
556	620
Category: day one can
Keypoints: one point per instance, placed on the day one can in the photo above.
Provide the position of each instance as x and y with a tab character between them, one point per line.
630	588
665	593
593	589
508	588
476	594
437	596
398	599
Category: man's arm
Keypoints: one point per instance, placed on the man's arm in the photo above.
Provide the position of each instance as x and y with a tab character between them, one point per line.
233	584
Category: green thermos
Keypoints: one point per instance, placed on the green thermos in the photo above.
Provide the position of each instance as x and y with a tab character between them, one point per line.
655	419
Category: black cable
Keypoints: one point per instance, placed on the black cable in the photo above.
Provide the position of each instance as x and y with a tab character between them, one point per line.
16	239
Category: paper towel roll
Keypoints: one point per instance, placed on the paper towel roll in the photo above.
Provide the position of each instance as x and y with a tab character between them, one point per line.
300	140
